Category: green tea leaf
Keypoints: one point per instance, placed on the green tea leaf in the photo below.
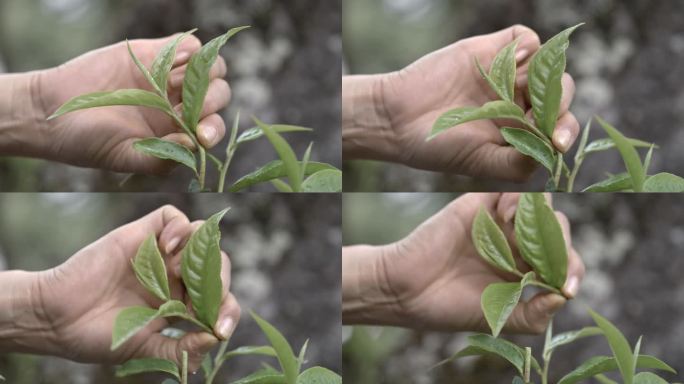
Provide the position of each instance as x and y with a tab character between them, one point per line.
286	358
143	70
618	344
602	379
325	181
491	110
201	270
305	161
134	97
664	183
615	183
606	144
167	150
629	155
319	375
518	380
264	376
530	145
274	170
499	300
649	157
136	366
285	153
256	132
302	354
570	337
601	364
196	82
481	344
164	62
540	239
281	186
635	354
648	378
246	350
544	80
172	308
128	322
502	72
490	242
150	269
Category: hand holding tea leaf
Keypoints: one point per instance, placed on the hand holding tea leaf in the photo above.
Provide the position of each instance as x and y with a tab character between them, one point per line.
79	327
413	99
438	277
111	132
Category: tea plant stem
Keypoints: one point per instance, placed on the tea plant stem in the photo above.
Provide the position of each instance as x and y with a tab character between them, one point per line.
218	361
203	166
545	372
528	360
201	149
224	169
559	170
546	286
184	369
198	323
573	174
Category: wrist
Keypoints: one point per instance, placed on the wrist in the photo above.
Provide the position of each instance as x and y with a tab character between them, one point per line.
24	324
368	293
367	131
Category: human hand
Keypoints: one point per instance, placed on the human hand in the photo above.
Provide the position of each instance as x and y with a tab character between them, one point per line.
434	277
73	306
103	137
413	99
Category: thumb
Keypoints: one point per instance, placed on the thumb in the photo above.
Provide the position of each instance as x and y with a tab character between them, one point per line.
528	40
133	234
196	344
535	315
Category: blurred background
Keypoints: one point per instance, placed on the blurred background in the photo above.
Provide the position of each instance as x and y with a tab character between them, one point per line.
627	63
286	69
632	247
285	253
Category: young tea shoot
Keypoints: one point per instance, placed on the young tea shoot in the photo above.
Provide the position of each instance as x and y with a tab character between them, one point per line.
541	245
314	177
533	138
200	272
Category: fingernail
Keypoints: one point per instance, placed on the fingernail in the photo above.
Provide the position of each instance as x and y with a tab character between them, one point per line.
177	80
208	132
226	328
521	55
510	213
172	244
179	109
182	56
563	139
572	286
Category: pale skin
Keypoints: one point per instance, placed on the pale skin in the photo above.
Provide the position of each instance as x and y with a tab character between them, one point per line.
103	137
387	117
433	279
69	310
